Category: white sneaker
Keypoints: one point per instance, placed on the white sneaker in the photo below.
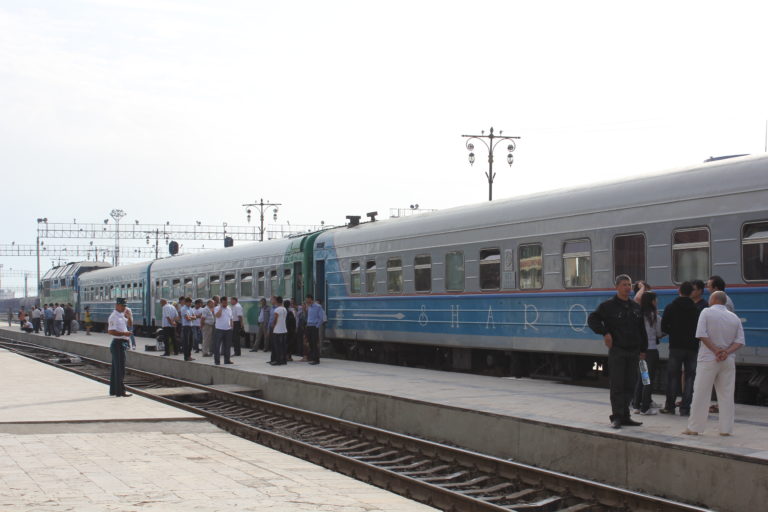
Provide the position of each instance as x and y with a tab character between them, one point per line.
636	411
655	405
649	412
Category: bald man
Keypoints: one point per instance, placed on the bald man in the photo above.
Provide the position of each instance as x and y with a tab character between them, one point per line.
721	335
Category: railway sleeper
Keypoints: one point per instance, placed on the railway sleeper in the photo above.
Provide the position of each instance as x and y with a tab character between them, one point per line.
549	504
445	478
468	483
430	471
413	465
372	458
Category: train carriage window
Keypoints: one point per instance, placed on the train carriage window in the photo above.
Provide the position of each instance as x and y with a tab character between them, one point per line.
454	271
490	269
273	282
577	263
422	273
690	254
754	251
370	276
354	279
127	291
629	256
230	285
531	265
177	289
101	293
395	275
214	285
261	291
189	287
246	284
202	288
287	284
141	290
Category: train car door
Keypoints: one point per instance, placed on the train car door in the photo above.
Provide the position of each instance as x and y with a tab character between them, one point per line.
320	282
298	283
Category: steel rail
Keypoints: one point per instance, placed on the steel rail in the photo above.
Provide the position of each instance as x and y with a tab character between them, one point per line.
440	486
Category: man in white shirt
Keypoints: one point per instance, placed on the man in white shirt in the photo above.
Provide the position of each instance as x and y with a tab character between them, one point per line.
36	313
117	326
197	332
721	334
237	324
169	327
187	322
222	332
208	320
58	320
279	333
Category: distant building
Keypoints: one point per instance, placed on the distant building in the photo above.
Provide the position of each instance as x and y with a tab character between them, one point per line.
6	294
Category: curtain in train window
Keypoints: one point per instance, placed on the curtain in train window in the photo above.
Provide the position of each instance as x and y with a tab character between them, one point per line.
395	275
454	271
215	285
177	290
690	254
230	285
577	264
354	278
246	284
202	288
530	263
370	276
261	285
490	269
273	282
422	273
189	287
629	256
754	251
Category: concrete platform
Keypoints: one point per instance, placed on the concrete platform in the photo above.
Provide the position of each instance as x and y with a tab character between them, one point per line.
65	446
553	425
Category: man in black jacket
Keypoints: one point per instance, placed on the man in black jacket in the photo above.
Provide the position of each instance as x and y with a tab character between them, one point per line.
679	321
620	322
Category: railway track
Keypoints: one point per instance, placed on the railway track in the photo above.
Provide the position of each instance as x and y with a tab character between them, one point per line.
444	477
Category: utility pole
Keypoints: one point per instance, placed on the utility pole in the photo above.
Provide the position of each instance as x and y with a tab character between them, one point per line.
117	215
491	146
262	205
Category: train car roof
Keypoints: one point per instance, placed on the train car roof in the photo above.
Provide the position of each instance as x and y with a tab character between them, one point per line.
748	173
245	252
71	269
119	273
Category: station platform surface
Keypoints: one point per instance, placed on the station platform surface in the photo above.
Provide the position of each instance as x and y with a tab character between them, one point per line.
550	424
66	445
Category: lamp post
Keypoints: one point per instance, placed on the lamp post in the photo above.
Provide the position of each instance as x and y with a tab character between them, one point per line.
117	215
40	220
262	205
490	141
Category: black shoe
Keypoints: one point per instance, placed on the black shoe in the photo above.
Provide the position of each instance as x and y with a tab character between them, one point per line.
254	350
165	355
125	394
314	362
685	413
228	362
189	358
629	422
666	411
273	363
616	423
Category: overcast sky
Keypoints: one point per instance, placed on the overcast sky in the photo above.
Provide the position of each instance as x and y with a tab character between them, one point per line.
183	110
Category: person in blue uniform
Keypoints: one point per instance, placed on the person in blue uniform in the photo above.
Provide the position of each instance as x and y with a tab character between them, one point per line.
121	336
620	322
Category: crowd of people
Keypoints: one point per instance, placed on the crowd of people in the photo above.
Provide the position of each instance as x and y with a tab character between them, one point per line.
703	336
285	328
53	319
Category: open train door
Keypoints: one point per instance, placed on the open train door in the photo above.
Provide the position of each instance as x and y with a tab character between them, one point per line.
320	282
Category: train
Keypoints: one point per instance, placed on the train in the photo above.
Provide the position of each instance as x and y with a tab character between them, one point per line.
503	286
